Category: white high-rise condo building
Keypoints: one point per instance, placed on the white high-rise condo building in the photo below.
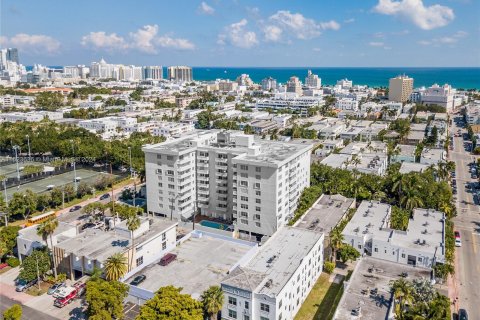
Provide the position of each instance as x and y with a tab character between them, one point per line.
179	73
400	88
294	85
251	182
269	84
313	81
152	72
244	80
345	83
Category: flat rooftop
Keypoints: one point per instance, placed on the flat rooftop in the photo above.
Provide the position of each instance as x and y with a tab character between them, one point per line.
201	263
369	218
275	263
326	213
407	167
373	306
30	233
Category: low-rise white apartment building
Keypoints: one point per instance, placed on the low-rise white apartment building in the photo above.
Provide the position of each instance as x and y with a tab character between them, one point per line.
443	96
472	113
346	104
32	116
290	102
79	255
276	281
253	183
433	156
422	244
9	100
172	129
107	127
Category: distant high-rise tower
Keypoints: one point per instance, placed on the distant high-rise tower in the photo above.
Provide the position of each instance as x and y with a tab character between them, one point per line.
12	55
313	81
294	85
179	73
269	84
400	88
152	73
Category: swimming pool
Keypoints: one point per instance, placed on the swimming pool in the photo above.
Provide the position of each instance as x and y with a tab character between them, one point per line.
216	225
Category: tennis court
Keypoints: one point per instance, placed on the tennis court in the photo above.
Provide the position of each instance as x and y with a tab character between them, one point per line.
88	176
10	170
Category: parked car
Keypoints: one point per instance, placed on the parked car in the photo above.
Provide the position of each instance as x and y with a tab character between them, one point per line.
55	288
104	196
138	279
88	225
23	285
75	208
458	241
62	302
462	314
166	259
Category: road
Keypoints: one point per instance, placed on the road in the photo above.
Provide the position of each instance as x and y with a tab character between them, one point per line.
467	222
27	312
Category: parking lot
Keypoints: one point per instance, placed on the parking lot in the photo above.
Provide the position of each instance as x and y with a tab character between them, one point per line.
88	176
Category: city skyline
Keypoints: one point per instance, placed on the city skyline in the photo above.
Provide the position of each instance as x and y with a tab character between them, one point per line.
380	33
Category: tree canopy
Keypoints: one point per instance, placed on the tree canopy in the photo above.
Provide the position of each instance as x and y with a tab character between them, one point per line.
28	268
105	299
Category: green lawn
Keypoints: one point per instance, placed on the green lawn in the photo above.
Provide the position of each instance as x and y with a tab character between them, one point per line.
320	301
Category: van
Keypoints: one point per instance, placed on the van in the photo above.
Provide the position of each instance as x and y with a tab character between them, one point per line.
50	187
169	257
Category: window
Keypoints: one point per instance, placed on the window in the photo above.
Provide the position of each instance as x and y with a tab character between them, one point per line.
420	259
244	183
280	304
140	261
243	221
171	179
257	209
243	198
258	169
169	172
258	177
232	301
243	175
376	249
264	307
164	245
164	236
245	317
258	201
243	167
264	318
171	186
159	171
256	217
258	224
393	252
159	156
244	206
160	184
256	185
232	314
403	255
359	246
169	157
258	193
247	305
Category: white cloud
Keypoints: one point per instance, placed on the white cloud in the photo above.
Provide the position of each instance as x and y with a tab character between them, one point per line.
103	41
272	33
317	49
204	8
351	20
376	44
299	26
32	43
332	25
145	39
236	35
424	17
175	43
448	39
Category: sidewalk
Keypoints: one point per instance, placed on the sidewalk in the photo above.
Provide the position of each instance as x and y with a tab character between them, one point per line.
9	292
452	283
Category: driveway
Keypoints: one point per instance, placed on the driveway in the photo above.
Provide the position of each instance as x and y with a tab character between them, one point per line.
44	303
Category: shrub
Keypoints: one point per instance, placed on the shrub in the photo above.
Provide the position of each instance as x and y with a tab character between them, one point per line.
328	267
13	262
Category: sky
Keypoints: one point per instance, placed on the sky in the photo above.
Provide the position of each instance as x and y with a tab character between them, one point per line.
269	33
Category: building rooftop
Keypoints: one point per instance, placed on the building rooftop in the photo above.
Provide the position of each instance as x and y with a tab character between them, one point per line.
373	306
326	213
275	263
407	167
30	233
369	218
201	262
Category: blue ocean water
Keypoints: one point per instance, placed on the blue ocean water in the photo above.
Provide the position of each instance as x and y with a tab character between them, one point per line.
466	78
460	78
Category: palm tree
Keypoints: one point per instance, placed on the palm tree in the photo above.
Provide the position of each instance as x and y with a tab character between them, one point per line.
133	223
212	300
410	200
46	230
403	293
336	241
115	266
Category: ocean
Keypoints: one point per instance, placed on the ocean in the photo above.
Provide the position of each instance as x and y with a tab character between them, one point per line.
459	78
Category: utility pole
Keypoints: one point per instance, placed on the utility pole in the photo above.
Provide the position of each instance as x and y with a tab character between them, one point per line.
114	214
74	168
16	148
28	142
38	272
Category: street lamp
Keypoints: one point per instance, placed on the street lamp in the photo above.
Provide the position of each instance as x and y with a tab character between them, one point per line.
17	148
130	158
74	168
28	143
